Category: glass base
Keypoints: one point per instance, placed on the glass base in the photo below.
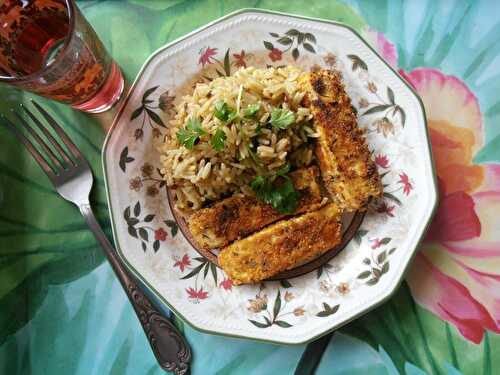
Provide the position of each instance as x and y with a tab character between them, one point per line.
107	96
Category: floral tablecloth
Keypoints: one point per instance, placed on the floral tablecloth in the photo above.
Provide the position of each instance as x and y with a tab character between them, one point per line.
63	312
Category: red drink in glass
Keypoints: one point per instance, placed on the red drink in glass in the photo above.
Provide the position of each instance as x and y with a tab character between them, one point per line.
47	47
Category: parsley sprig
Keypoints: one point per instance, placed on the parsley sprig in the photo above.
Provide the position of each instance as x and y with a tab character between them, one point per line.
277	190
282	118
251	110
224	112
227	114
190	135
217	140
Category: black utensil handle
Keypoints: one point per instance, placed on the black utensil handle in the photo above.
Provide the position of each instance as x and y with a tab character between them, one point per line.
169	346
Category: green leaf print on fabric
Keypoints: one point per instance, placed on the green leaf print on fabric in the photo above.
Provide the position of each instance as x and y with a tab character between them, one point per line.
37	248
157	4
408	333
489	153
120	30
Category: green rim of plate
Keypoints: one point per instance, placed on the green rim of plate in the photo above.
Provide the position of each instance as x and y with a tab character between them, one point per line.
131	268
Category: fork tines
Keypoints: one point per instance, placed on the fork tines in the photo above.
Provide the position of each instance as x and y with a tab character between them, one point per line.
60	158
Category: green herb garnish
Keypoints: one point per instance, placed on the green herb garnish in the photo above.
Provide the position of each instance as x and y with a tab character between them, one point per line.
191	134
283	170
252	110
284	198
221	111
224	113
217	140
259	184
232	116
282	118
277	190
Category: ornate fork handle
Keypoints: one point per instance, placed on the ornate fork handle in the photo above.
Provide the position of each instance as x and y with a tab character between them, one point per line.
167	342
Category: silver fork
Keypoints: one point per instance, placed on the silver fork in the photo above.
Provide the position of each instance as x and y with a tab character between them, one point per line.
71	176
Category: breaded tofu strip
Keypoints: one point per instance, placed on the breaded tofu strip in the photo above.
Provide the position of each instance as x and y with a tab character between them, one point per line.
348	171
239	216
282	245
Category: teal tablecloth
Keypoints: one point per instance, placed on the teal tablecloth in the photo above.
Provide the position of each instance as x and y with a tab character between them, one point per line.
63	312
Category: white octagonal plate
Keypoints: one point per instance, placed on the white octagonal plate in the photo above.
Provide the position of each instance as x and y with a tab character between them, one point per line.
363	275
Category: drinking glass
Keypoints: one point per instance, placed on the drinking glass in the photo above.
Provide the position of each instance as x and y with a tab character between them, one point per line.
48	48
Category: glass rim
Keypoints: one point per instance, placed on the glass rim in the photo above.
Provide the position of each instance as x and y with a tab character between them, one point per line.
71	9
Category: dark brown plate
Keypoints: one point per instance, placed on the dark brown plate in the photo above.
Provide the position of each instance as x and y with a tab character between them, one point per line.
350	224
